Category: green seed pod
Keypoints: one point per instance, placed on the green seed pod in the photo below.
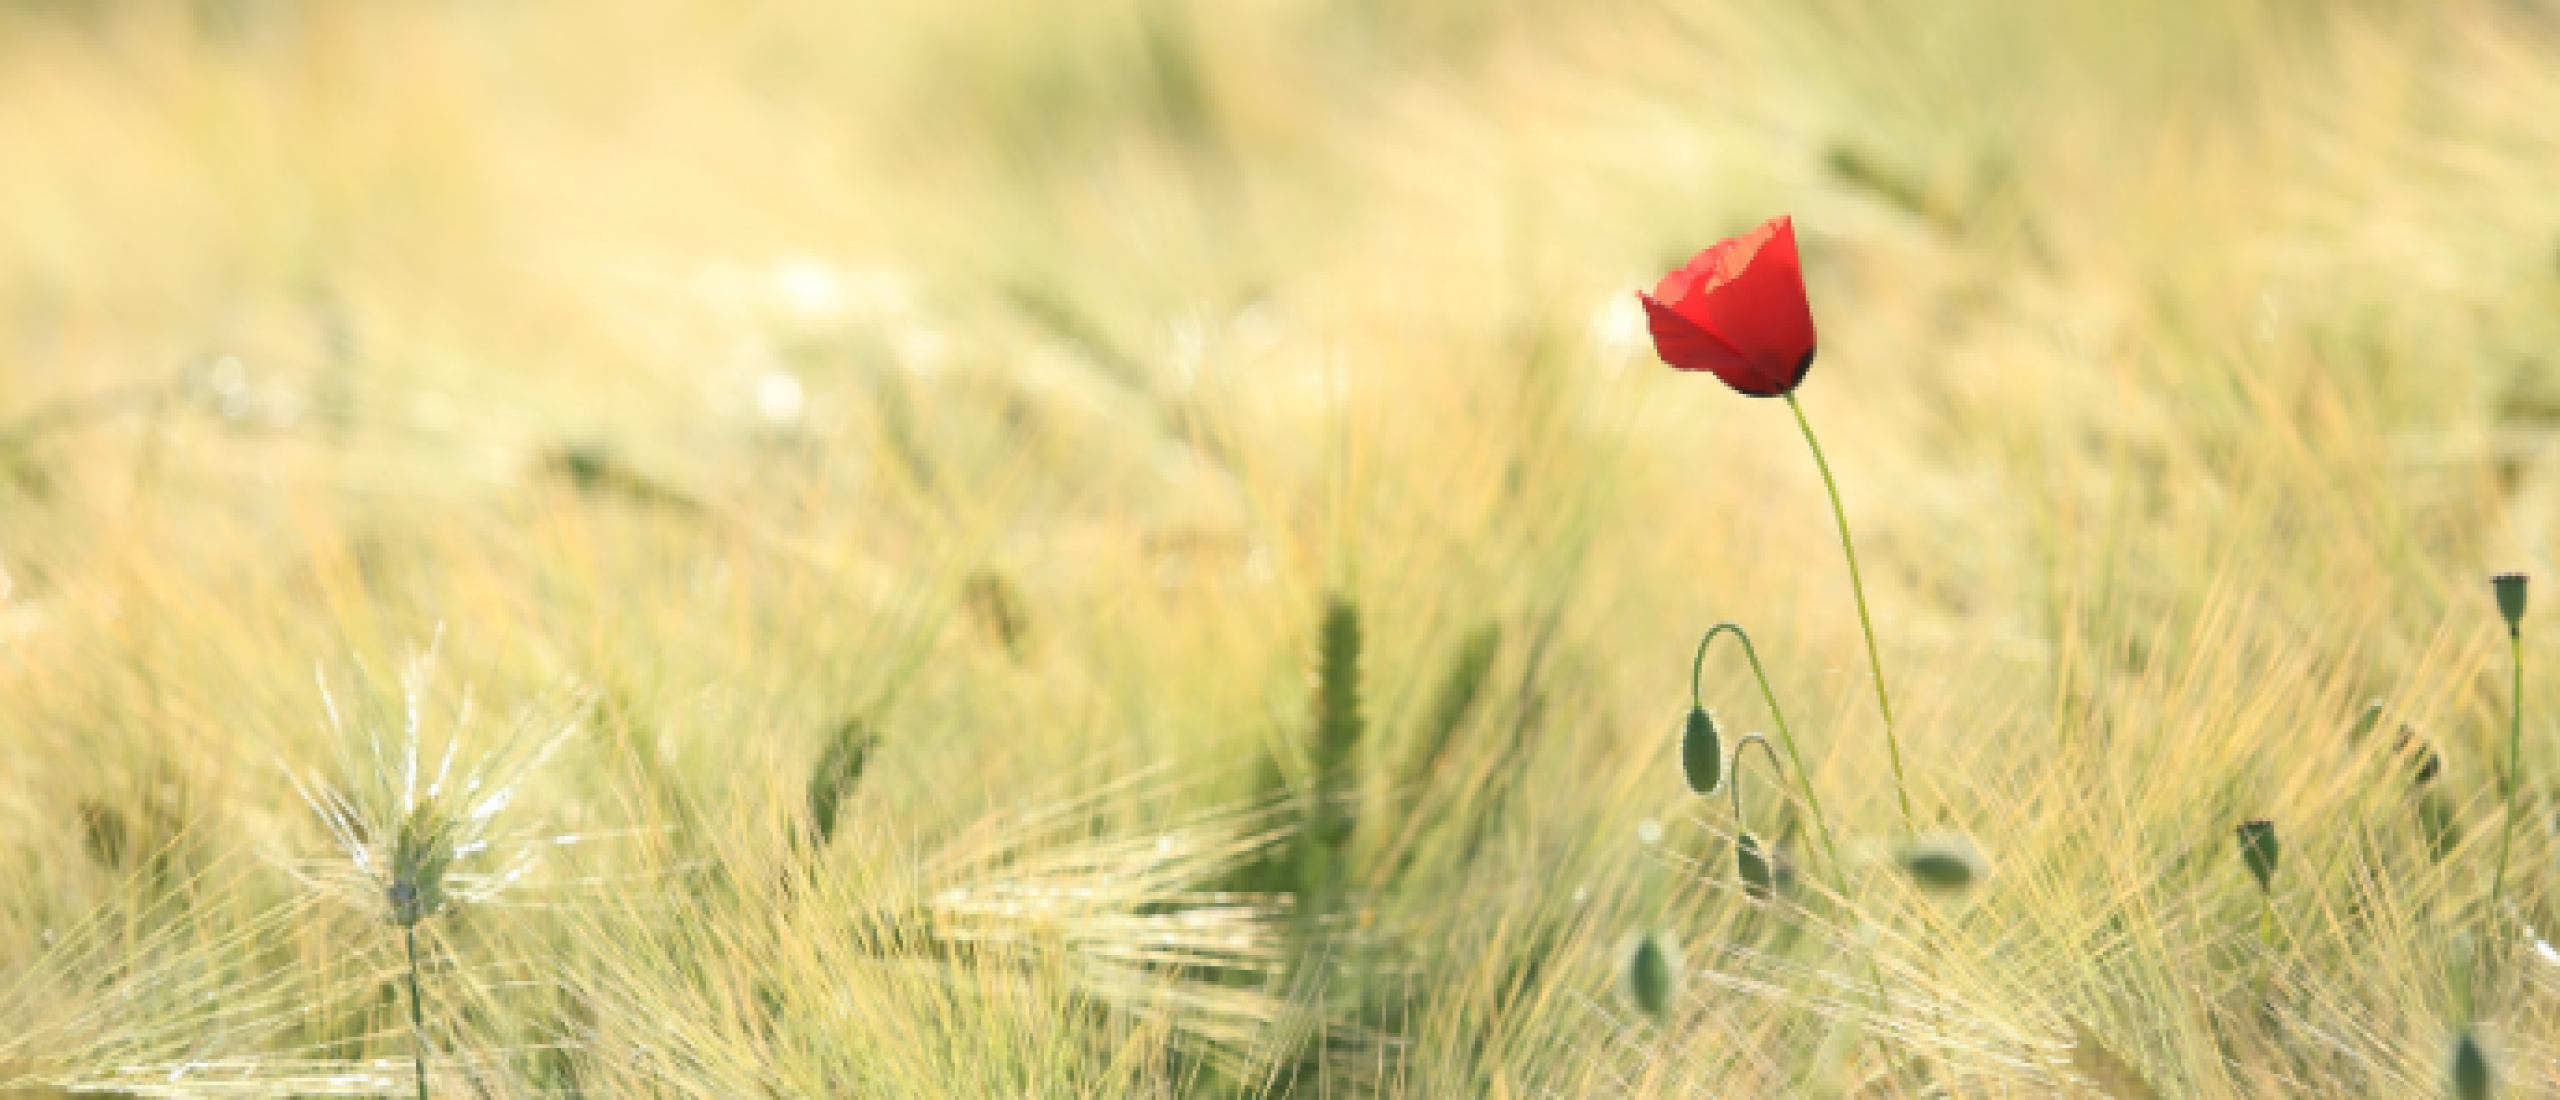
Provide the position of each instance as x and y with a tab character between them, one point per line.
2258	849
1759	877
2510	587
1702	752
1650	977
1945	865
2472	1077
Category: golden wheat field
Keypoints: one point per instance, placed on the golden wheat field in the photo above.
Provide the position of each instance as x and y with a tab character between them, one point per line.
1007	548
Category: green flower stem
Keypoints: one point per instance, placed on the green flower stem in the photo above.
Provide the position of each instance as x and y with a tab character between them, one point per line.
417	1016
1884	704
2267	942
1786	738
1747	741
1804	783
2515	783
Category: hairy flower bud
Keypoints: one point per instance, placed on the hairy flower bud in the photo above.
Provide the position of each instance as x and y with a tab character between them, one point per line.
1702	752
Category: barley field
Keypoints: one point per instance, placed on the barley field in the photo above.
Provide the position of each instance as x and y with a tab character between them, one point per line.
1000	548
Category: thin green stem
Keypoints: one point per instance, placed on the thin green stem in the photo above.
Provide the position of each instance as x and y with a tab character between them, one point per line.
1747	741
1804	783
2515	783
1858	588
417	1017
1786	738
2267	942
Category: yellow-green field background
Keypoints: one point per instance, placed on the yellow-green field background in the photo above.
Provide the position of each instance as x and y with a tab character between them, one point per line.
2187	368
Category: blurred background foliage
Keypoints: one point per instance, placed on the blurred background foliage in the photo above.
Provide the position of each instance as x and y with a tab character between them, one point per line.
981	442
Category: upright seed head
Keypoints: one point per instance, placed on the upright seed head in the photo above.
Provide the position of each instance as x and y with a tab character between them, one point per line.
2472	1077
1337	703
1702	752
2510	588
1460	691
839	768
420	855
2259	851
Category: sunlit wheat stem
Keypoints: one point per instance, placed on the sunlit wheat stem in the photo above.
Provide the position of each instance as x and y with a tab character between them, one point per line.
1858	588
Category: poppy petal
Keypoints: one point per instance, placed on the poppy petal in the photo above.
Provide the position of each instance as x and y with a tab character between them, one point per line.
1762	314
1687	346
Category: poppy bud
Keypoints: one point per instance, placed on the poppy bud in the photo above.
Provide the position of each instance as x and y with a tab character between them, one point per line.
2510	587
1944	865
1650	979
2471	1074
1702	752
2258	850
1759	877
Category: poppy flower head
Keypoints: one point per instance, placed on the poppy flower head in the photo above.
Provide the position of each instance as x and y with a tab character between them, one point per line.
1738	311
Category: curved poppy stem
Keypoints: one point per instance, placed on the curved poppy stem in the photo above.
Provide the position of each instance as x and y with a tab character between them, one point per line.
1747	741
1786	737
1858	588
1875	971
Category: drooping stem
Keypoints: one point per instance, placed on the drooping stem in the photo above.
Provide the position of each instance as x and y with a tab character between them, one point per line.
1804	783
1739	747
417	1016
1786	738
1858	588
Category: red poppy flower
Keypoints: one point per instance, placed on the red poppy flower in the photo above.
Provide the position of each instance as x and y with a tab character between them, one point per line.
1738	310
